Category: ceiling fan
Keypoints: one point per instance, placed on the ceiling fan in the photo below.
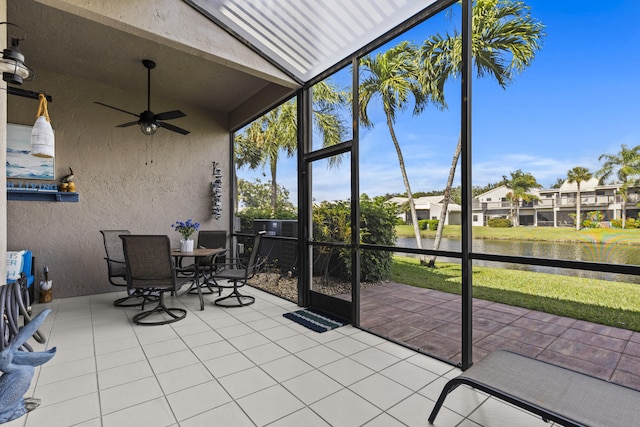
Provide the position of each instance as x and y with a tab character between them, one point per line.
149	122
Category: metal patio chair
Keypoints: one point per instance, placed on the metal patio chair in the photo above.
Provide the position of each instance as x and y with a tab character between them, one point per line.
237	273
150	268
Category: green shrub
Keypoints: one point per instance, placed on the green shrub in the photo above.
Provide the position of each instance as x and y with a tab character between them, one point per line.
332	223
593	219
499	222
428	224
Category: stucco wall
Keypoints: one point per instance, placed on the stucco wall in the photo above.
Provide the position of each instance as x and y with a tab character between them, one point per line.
126	180
3	153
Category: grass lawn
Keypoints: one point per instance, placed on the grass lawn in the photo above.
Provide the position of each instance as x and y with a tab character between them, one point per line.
599	301
550	234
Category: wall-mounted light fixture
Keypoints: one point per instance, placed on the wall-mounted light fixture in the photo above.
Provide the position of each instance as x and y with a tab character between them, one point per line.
12	63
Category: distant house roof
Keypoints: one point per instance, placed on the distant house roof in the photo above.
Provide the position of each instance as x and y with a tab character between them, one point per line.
589	185
426	202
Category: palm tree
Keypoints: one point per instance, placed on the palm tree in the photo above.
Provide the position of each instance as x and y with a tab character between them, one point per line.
578	174
393	77
504	43
626	166
264	139
267	137
520	184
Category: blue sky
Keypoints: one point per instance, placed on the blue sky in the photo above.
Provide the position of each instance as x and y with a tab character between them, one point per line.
578	100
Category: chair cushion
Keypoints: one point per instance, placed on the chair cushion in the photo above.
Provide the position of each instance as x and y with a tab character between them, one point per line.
14	265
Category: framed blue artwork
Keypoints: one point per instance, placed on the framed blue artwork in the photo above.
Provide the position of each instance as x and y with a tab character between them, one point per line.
20	163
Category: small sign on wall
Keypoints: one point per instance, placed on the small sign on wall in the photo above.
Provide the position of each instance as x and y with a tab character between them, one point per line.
20	163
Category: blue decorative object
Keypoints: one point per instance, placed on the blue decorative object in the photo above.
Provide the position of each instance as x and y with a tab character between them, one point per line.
17	369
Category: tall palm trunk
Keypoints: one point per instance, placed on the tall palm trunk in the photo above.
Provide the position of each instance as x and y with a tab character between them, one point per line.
274	187
445	201
578	218
405	179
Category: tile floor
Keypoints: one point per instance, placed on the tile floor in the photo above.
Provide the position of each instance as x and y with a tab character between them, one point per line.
246	366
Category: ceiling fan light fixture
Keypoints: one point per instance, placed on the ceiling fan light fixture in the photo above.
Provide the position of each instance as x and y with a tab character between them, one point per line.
149	128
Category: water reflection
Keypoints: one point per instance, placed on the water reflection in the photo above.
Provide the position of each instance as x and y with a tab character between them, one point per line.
607	252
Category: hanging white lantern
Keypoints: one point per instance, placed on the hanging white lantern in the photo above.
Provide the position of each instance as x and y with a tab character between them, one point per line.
42	138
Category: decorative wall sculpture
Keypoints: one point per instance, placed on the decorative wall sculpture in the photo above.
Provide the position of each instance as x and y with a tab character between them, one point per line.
216	191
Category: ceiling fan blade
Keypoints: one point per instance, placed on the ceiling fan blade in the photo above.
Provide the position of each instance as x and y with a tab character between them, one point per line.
173	128
125	125
115	108
168	115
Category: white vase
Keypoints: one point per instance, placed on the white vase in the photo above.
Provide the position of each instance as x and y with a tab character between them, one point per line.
186	245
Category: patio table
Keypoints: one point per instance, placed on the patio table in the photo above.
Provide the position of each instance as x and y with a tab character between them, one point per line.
197	254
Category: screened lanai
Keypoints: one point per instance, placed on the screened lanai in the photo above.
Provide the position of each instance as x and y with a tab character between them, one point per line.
237	61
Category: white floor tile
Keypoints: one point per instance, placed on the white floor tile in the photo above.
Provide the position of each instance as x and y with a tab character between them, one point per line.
246	382
154	413
415	410
229	364
183	378
226	415
347	346
108	378
270	404
248	366
496	413
312	386
265	353
374	358
213	350
164	347
64	371
286	368
67	413
248	341
197	399
120	358
129	394
381	391
304	417
319	356
409	375
345	409
297	343
172	361
67	389
346	371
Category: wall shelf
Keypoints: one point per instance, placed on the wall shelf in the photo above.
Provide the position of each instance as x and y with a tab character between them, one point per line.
42	196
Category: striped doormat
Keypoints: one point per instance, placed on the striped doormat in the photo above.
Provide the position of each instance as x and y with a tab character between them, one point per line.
314	321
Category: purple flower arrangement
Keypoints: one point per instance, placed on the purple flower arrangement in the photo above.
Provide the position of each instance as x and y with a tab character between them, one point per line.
186	228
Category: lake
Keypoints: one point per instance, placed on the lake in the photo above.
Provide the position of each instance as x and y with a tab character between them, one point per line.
596	252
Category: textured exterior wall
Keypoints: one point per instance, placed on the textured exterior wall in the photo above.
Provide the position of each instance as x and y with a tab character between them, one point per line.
126	180
3	154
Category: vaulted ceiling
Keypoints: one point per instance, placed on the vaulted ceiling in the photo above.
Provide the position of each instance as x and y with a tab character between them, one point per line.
230	52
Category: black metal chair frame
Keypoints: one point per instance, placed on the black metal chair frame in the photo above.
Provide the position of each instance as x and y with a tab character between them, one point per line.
139	255
116	268
238	274
209	239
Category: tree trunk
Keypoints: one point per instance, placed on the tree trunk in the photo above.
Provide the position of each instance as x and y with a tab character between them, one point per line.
445	201
578	221
405	179
274	187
